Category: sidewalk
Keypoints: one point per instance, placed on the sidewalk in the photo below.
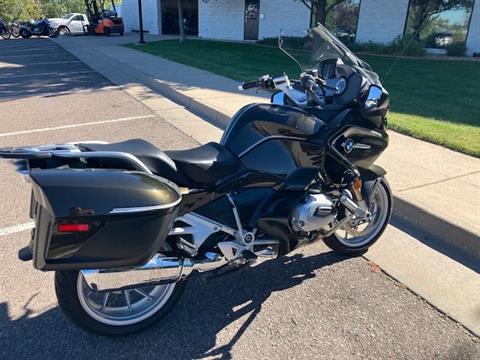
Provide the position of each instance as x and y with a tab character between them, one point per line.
433	245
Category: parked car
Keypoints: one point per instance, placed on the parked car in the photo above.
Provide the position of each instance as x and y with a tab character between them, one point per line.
71	23
443	39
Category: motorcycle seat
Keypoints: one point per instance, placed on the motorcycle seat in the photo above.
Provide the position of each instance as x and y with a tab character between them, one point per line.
190	168
205	164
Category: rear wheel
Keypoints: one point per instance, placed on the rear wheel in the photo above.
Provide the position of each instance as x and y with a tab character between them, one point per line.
114	313
5	34
355	239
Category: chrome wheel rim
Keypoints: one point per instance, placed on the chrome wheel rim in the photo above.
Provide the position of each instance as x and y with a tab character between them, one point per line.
121	308
355	236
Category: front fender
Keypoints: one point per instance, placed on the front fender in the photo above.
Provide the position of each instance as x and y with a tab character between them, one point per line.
371	178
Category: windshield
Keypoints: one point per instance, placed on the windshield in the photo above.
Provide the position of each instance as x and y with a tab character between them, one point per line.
309	48
68	16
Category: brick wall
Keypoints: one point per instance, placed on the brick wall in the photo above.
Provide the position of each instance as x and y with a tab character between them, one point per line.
150	12
473	40
221	19
285	15
224	19
381	21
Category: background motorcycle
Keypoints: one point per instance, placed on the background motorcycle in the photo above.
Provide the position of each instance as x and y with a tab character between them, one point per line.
4	30
123	225
37	28
14	29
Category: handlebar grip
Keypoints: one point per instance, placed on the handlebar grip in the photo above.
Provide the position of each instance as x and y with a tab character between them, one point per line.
248	85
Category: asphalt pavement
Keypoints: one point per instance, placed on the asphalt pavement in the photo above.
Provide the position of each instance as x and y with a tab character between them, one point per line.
311	304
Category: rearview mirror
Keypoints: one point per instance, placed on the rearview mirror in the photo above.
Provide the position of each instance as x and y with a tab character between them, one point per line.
374	95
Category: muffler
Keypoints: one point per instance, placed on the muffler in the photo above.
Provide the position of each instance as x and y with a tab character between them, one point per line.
159	270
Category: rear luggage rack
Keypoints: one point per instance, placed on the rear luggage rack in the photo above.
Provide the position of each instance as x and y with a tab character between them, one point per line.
71	151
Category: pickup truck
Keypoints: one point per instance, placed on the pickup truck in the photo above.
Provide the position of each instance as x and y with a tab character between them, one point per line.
71	23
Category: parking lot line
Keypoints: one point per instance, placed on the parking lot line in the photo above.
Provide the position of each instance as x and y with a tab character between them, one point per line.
29	55
76	125
57	74
17	228
57	62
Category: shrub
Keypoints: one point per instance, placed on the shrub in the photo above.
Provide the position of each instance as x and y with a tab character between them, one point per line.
396	47
457	49
289	42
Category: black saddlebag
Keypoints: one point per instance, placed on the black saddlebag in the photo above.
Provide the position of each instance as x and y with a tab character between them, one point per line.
99	218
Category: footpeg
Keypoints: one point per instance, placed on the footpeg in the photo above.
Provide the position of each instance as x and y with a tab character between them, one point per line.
187	247
249	255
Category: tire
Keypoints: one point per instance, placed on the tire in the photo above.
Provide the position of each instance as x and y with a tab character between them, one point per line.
5	34
74	306
15	31
25	34
348	246
62	31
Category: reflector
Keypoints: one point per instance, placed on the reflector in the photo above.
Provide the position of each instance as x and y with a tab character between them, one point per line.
73	227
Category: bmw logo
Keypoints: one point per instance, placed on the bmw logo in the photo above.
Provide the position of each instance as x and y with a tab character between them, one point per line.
348	145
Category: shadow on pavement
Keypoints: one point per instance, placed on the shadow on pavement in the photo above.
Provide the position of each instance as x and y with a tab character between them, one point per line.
40	67
189	331
439	234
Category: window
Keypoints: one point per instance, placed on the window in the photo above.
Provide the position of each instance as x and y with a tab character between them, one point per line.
78	18
439	23
341	17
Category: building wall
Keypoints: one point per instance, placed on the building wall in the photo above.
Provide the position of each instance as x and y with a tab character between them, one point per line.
381	21
473	40
224	19
150	13
221	19
276	15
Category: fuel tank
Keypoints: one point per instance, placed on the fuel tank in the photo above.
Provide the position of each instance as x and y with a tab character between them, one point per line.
275	139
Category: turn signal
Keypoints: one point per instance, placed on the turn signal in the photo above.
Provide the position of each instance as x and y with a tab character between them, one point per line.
73	227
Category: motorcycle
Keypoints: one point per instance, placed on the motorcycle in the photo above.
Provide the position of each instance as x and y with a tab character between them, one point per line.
124	225
15	29
4	30
37	28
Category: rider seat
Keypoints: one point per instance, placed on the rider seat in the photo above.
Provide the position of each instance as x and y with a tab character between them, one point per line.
199	166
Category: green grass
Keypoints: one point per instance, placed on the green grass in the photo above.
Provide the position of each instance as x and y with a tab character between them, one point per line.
433	100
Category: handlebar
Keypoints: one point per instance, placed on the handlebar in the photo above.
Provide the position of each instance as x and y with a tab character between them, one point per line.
248	85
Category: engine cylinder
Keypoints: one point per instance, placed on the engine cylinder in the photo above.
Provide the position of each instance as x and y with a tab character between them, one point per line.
313	213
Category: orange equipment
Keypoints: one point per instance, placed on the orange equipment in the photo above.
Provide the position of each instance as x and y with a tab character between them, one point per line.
101	20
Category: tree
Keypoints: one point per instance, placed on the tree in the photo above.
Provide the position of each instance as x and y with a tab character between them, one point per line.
321	8
423	11
34	9
181	22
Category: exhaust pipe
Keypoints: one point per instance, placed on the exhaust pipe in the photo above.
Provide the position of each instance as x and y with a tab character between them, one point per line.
159	270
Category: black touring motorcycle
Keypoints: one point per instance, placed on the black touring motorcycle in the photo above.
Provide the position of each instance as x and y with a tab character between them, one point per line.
123	225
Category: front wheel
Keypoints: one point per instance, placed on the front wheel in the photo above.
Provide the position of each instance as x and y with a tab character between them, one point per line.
15	31
114	313
355	239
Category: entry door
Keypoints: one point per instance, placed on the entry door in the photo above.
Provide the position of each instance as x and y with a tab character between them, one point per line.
252	18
